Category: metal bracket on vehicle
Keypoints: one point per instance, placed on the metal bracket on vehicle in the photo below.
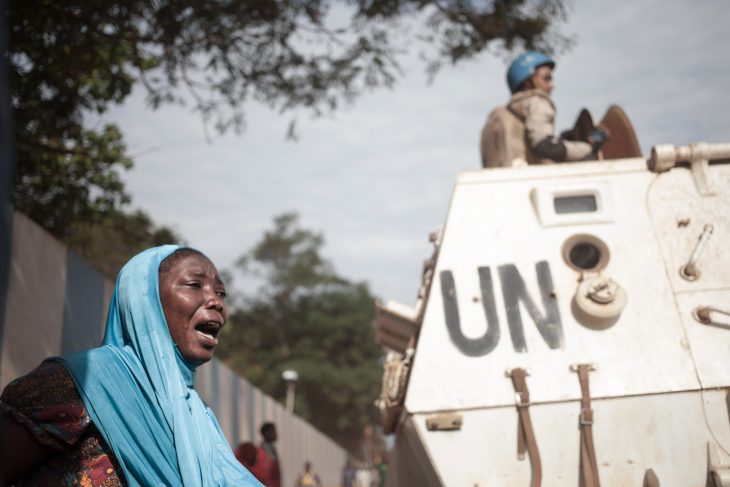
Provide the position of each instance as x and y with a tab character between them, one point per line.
718	466
689	271
699	169
444	422
665	156
703	314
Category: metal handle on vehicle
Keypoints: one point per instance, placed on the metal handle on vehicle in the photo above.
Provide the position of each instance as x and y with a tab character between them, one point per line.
689	271
703	314
664	156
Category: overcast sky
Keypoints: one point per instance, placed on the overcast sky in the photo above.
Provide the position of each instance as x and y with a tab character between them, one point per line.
376	178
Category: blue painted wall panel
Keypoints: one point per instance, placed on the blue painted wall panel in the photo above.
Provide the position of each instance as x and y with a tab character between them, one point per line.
83	315
7	164
215	386
235	410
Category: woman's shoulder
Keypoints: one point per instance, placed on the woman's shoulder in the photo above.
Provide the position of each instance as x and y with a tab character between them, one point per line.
47	403
49	383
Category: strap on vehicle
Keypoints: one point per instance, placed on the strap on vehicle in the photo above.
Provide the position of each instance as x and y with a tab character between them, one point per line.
650	479
588	464
525	434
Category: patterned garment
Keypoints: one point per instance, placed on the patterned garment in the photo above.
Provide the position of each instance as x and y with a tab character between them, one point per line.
47	403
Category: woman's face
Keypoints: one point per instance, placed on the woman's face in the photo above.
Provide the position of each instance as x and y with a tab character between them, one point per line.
193	299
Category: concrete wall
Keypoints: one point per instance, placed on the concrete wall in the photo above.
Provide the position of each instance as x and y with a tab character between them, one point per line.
56	304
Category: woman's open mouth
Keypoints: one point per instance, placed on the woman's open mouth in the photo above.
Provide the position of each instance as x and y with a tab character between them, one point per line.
208	332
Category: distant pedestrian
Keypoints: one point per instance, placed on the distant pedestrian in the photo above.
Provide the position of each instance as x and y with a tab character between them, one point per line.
365	476
269	435
382	469
348	474
308	478
254	459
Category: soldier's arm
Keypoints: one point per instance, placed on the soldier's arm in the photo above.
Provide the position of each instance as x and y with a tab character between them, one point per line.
540	132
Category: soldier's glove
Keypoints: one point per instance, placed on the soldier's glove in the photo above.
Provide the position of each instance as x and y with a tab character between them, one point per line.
597	138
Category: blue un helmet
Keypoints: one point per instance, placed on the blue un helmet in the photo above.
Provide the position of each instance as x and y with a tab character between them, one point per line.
523	66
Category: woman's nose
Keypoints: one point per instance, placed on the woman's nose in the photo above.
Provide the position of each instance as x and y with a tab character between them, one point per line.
214	301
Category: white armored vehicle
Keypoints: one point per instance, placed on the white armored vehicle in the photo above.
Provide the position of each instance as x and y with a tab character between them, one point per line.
572	328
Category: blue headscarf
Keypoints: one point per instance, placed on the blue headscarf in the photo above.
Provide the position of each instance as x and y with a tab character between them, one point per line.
139	392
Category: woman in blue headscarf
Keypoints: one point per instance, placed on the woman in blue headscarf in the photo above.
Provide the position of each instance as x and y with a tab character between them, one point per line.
127	413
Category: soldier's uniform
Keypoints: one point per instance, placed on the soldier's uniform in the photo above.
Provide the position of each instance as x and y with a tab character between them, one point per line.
523	132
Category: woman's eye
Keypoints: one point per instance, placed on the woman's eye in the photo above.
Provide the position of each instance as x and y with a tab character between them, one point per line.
194	284
222	294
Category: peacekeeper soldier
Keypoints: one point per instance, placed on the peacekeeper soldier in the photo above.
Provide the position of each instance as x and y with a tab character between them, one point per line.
523	132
